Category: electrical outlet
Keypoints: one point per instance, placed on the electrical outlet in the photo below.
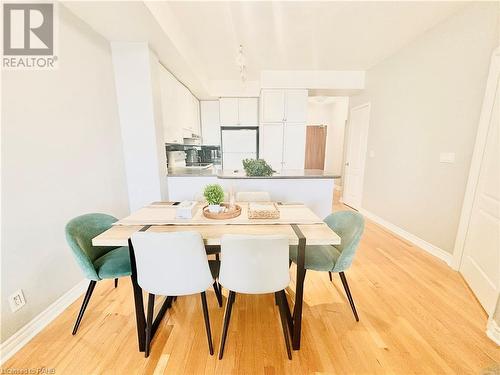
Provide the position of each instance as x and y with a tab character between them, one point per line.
16	300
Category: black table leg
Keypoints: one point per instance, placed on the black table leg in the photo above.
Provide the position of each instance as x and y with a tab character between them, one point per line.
299	288
140	317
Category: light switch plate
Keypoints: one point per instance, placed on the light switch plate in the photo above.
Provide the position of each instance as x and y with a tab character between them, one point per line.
447	157
16	300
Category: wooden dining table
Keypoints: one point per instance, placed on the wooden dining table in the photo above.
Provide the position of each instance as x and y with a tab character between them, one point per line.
297	222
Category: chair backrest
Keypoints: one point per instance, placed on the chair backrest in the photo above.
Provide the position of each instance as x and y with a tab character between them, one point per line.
79	234
254	264
349	225
171	264
253	196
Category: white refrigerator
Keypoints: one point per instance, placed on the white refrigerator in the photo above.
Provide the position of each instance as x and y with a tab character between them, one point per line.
238	144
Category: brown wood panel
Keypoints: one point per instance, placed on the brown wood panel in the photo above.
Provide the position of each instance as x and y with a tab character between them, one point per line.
315	147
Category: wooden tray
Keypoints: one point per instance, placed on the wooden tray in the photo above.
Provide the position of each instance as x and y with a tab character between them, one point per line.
222	215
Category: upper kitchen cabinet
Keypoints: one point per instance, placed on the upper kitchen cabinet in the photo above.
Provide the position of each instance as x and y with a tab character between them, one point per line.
279	105
210	123
248	111
170	101
239	111
180	109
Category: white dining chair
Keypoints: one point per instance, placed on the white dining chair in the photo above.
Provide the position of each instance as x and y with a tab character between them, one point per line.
172	264
254	265
253	196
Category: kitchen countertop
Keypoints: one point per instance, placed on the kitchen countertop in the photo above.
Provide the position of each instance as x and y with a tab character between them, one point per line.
192	172
230	174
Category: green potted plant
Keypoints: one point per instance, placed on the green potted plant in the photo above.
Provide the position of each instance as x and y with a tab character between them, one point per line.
257	167
214	195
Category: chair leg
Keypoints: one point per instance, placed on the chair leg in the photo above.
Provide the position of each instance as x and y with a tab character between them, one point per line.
330	275
116	283
281	298
218	293
86	300
227	317
207	322
349	296
149	323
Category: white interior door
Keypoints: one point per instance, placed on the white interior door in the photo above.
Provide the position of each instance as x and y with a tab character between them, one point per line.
480	263
355	155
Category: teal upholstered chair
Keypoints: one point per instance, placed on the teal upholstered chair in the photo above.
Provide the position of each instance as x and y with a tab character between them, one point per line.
97	262
349	225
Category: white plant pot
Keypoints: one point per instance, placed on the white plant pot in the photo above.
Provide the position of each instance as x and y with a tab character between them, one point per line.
214	208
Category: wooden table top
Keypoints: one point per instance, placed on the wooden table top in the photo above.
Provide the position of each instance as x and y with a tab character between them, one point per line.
314	230
162	214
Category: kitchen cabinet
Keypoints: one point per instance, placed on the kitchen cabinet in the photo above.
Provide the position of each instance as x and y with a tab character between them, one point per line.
248	111
170	101
180	109
239	111
294	145
272	145
210	122
283	145
273	105
296	106
281	105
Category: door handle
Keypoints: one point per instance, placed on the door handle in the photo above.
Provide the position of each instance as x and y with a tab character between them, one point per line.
347	164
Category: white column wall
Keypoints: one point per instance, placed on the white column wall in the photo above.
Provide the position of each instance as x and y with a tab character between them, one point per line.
137	91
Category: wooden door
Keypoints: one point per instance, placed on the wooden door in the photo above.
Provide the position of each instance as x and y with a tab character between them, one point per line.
354	171
315	147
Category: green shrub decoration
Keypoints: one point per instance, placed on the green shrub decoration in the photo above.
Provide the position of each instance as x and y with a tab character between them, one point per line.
257	167
214	194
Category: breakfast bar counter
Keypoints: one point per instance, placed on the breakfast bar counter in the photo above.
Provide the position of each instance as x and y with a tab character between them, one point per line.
312	187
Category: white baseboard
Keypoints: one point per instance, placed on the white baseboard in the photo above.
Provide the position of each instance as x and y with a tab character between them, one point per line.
14	343
430	248
493	331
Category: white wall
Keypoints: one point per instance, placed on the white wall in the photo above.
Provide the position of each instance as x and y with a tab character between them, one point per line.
61	157
426	99
332	112
138	94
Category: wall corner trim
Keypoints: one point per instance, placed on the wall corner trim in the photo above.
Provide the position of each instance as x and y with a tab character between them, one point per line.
14	343
428	247
493	330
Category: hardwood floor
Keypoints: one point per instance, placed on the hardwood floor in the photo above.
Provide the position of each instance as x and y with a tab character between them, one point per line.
417	316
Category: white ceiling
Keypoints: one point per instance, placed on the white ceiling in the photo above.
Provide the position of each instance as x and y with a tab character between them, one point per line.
301	35
199	40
